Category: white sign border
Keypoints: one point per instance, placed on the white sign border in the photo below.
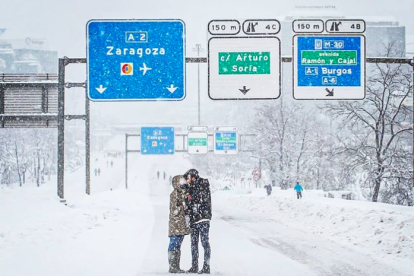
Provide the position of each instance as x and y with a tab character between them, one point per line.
188	143
244	37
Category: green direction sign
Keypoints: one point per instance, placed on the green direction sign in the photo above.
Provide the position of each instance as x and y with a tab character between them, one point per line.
197	142
248	63
329	58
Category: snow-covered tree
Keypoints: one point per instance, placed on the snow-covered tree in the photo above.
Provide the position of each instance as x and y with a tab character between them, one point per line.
292	142
26	153
376	134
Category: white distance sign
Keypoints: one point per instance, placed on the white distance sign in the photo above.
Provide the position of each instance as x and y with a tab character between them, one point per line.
244	68
197	142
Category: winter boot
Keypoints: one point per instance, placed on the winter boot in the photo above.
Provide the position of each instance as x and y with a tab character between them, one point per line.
179	270
205	269
193	269
173	260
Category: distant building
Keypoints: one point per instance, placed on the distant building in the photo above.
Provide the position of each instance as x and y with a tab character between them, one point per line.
409	48
28	55
381	31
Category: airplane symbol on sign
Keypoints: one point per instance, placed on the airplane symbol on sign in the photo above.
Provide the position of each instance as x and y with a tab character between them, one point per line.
144	68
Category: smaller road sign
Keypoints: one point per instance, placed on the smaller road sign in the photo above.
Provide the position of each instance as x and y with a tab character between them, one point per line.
345	26
224	27
256	174
197	142
308	26
157	140
261	27
226	142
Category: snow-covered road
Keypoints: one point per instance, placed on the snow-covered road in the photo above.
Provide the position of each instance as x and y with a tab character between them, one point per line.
124	232
318	253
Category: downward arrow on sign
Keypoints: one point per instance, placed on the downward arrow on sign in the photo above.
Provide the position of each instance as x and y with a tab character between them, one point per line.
100	89
244	90
172	88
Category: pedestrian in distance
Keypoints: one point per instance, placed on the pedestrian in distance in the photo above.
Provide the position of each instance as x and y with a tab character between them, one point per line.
96	172
165	175
198	200
158	175
99	171
178	224
268	189
298	188
112	163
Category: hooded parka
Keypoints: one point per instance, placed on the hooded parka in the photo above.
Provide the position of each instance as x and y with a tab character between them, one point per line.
177	222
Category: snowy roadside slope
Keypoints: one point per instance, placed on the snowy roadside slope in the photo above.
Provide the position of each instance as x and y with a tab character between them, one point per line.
382	229
106	233
92	235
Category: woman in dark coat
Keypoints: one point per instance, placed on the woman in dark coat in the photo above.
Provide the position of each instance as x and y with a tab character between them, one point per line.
178	225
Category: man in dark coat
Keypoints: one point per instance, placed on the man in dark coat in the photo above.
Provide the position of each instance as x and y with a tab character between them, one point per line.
268	189
199	211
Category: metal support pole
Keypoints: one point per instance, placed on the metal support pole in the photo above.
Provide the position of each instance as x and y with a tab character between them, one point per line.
2	106
126	161
44	100
412	106
260	165
198	49
61	130
198	80
88	144
199	105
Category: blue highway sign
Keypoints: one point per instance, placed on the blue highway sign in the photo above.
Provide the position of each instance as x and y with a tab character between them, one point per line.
133	60
157	140
329	67
226	142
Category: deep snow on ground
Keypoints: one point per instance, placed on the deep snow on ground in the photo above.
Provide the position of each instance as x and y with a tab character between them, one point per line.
383	228
383	231
124	232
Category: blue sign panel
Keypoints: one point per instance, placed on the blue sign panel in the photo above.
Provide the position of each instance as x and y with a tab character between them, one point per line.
225	141
134	60
329	61
157	140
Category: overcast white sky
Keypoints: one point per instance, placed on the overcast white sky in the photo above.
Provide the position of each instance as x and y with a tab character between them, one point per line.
62	22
